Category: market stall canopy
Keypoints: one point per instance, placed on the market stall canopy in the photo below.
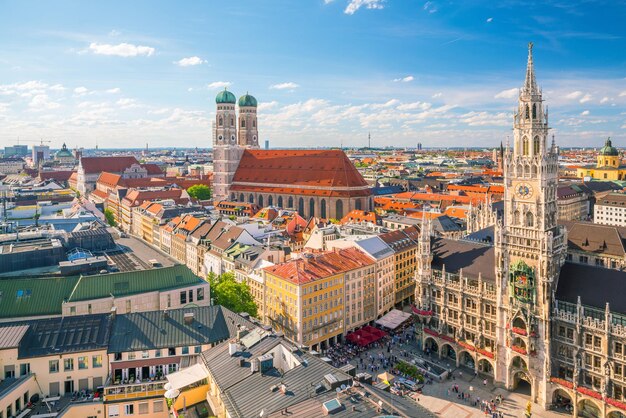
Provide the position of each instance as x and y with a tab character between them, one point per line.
393	319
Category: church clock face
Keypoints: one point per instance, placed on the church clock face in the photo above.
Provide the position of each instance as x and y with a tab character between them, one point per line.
524	191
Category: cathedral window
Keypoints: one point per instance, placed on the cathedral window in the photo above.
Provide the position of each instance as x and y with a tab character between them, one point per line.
323	208
534	111
525	146
311	207
253	123
527	112
516	218
536	145
301	206
243	123
280	201
290	203
220	122
232	122
261	200
339	209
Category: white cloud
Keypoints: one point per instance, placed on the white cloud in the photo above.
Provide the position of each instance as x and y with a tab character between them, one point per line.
415	106
57	87
586	98
574	95
80	91
604	100
25	89
622	94
121	50
219	85
584	113
266	105
355	5
4	107
486	119
489	19
42	102
328	1
430	7
126	103
115	33
190	61
406	79
507	94
437	95
114	90
284	86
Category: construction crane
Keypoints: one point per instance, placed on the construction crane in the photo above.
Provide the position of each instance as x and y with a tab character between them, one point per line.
33	140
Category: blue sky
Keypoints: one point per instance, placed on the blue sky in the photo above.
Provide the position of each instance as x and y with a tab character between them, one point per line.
325	72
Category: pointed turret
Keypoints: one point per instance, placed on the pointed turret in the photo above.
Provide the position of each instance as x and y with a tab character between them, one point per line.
530	84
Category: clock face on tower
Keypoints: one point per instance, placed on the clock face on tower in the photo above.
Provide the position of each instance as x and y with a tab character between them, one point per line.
524	191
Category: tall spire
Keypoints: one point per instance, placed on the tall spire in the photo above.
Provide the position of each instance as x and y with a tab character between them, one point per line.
530	84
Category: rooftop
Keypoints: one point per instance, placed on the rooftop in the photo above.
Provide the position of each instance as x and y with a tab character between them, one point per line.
154	330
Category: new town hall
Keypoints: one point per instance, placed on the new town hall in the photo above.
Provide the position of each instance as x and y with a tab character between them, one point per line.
519	307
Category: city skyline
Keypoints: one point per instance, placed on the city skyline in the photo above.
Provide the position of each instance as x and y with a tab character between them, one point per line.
430	72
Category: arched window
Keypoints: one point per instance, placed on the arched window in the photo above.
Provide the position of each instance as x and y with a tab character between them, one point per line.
290	203
311	207
270	201
516	218
241	198
220	122
253	123
243	123
524	146
530	219
357	204
261	200
527	112
339	209
232	122
534	111
251	199
232	196
323	208
536	143
301	206
280	201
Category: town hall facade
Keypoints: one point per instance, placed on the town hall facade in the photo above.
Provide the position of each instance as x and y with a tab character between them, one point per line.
513	308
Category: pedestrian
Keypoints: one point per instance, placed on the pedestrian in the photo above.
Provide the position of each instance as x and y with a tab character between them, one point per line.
485	382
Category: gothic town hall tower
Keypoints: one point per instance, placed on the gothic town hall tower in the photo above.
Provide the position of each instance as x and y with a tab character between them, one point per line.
529	247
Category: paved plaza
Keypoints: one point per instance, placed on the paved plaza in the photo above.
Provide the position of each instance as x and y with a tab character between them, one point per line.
438	398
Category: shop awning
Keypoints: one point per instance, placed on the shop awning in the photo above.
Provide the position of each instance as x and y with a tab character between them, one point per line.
393	319
188	376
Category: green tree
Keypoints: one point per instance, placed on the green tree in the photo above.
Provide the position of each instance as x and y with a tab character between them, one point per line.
230	293
199	192
108	215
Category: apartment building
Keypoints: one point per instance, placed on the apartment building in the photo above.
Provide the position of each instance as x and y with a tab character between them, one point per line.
610	210
404	244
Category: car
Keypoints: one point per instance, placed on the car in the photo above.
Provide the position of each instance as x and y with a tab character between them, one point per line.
411	385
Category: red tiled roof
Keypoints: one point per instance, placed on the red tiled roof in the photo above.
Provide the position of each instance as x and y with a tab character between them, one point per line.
93	165
56	175
136	197
308	172
313	267
152	169
109	179
100	194
361	216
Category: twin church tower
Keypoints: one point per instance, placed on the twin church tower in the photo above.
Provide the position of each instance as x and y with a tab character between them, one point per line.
231	136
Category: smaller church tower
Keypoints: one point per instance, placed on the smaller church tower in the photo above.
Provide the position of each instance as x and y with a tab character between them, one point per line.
248	133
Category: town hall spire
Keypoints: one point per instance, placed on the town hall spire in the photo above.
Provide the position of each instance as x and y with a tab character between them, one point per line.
530	84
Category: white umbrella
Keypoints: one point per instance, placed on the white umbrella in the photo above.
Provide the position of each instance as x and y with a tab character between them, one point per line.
172	393
167	386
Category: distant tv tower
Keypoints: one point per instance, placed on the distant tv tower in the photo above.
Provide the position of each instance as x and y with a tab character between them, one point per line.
369	140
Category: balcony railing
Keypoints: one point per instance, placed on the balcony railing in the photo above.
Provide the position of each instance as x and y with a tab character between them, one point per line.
134	391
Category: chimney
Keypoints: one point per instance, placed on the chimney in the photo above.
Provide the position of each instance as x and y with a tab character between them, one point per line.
113	312
188	318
